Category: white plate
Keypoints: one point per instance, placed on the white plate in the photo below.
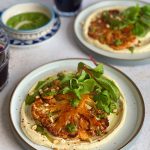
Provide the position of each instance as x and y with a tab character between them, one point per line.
135	105
79	32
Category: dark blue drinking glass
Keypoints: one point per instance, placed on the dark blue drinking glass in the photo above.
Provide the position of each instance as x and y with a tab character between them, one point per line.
4	58
67	7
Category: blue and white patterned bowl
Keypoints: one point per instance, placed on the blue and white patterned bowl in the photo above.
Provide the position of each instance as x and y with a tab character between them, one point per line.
23	8
29	43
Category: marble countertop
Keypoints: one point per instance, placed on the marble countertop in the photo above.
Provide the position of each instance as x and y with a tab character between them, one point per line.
63	45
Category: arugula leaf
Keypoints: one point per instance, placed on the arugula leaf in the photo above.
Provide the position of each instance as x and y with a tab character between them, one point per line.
145	20
131	14
77	91
102	81
139	30
112	106
66	90
137	16
110	86
82	76
105	98
49	93
80	68
65	77
31	98
146	10
74	83
40	83
88	86
97	71
100	105
85	87
103	101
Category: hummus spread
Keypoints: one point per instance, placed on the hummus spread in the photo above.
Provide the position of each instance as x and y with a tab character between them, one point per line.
28	126
55	118
141	44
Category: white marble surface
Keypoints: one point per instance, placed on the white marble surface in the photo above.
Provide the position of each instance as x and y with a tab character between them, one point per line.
62	45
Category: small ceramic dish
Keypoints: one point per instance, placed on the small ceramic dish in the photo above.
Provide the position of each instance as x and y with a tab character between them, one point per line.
27	8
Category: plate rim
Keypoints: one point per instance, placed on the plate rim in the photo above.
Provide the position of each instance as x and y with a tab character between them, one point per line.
86	59
94	51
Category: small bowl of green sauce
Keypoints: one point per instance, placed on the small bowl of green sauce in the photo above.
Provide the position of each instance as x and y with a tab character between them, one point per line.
27	20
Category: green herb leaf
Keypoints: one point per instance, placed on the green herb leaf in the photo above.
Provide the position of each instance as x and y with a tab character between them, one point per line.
105	98
106	16
110	86
65	77
118	42
40	129
30	99
82	76
75	102
71	128
112	107
40	83
98	70
88	86
85	87
80	67
49	93
103	101
131	49
102	116
139	30
101	106
146	10
77	91
74	83
131	14
102	81
145	20
66	90
98	132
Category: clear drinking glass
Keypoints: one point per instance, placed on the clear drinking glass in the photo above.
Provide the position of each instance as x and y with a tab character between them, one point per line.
4	58
67	7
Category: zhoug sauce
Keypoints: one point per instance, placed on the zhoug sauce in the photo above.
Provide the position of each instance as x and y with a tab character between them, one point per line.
28	21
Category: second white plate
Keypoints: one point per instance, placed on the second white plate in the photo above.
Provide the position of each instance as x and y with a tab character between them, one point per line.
79	32
135	105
